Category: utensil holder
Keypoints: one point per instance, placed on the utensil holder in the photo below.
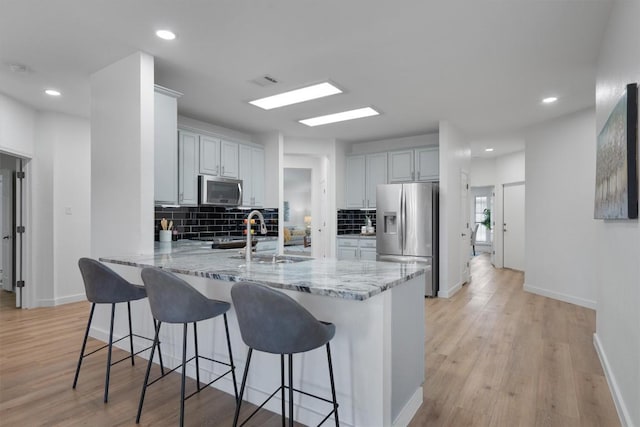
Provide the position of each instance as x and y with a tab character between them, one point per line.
165	235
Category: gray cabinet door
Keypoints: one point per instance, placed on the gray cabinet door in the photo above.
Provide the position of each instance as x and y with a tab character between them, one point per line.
188	150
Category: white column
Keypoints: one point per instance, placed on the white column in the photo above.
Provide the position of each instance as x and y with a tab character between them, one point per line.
122	123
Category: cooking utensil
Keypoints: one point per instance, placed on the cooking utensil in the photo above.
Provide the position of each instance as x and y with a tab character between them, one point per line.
170	224
163	223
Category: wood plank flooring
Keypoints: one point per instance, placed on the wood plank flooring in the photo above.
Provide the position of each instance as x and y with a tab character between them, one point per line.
495	356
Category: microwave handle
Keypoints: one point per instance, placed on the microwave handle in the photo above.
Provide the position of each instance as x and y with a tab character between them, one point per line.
239	193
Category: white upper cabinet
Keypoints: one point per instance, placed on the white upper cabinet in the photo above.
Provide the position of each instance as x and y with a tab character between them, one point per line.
355	182
218	157
209	155
427	164
376	167
228	159
363	174
401	166
188	168
420	164
166	146
251	172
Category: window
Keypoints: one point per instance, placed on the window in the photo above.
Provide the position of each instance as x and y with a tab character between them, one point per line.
481	203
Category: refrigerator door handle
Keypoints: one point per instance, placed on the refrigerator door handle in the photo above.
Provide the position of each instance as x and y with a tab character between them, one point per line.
403	211
401	223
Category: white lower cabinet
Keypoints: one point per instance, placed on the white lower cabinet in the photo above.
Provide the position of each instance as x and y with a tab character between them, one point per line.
356	249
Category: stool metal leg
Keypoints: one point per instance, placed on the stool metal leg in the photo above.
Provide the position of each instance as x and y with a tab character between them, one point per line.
282	387
130	334
233	366
333	387
291	390
156	342
184	369
244	382
84	345
159	351
106	382
195	341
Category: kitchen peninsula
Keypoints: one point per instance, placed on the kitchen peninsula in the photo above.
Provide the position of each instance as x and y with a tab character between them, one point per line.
378	310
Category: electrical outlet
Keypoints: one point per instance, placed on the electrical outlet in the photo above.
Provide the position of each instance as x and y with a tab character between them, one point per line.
67	210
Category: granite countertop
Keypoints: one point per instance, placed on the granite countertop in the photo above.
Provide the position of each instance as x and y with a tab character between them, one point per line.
355	280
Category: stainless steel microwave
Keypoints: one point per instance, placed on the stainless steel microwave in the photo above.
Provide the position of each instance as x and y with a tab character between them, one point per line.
216	191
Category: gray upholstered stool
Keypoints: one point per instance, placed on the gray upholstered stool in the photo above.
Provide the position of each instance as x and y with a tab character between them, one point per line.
105	286
173	300
272	322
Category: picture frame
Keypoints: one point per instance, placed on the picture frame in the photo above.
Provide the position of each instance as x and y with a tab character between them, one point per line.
616	187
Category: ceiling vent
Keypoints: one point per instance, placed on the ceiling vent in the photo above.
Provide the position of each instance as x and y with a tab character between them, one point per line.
265	80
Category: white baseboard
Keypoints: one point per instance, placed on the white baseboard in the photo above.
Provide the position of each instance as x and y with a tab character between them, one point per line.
448	293
406	414
560	296
59	301
623	412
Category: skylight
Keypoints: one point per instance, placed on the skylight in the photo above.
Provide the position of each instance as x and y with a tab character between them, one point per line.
295	96
340	117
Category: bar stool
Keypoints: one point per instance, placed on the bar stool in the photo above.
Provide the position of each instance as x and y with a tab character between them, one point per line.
173	300
104	286
272	322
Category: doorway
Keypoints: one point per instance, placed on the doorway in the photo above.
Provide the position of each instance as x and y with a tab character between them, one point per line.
513	226
481	208
297	211
12	231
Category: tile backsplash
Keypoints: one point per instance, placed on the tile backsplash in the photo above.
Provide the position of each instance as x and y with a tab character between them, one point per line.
206	222
351	220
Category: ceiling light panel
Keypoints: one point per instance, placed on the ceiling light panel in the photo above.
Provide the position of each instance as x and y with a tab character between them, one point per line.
52	92
550	100
340	117
296	96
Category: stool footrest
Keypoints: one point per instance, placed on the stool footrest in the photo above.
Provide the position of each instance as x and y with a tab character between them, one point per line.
118	340
298	391
187	361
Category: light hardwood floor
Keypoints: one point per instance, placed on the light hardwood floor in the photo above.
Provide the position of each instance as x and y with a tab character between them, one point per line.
495	356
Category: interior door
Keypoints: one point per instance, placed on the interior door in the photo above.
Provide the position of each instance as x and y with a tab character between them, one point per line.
513	226
6	219
465	233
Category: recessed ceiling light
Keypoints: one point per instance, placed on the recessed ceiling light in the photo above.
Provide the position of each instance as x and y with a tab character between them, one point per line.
550	100
166	34
488	149
295	96
340	117
52	92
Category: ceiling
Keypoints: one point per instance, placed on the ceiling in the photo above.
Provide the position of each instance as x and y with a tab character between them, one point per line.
482	65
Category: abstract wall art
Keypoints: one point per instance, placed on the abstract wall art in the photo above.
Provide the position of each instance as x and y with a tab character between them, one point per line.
616	195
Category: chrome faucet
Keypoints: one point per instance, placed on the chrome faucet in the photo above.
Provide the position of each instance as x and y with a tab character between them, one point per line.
263	230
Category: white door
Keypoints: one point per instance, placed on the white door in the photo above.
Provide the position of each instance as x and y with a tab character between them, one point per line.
6	211
465	232
513	226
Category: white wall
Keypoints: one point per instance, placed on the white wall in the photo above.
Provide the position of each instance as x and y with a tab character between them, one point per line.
122	132
455	156
618	252
198	126
61	207
395	143
17	127
560	232
58	176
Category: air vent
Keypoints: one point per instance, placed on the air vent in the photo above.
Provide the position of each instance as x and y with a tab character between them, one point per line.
265	80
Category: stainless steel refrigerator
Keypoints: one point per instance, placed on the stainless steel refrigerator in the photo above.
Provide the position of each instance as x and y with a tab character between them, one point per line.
407	227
